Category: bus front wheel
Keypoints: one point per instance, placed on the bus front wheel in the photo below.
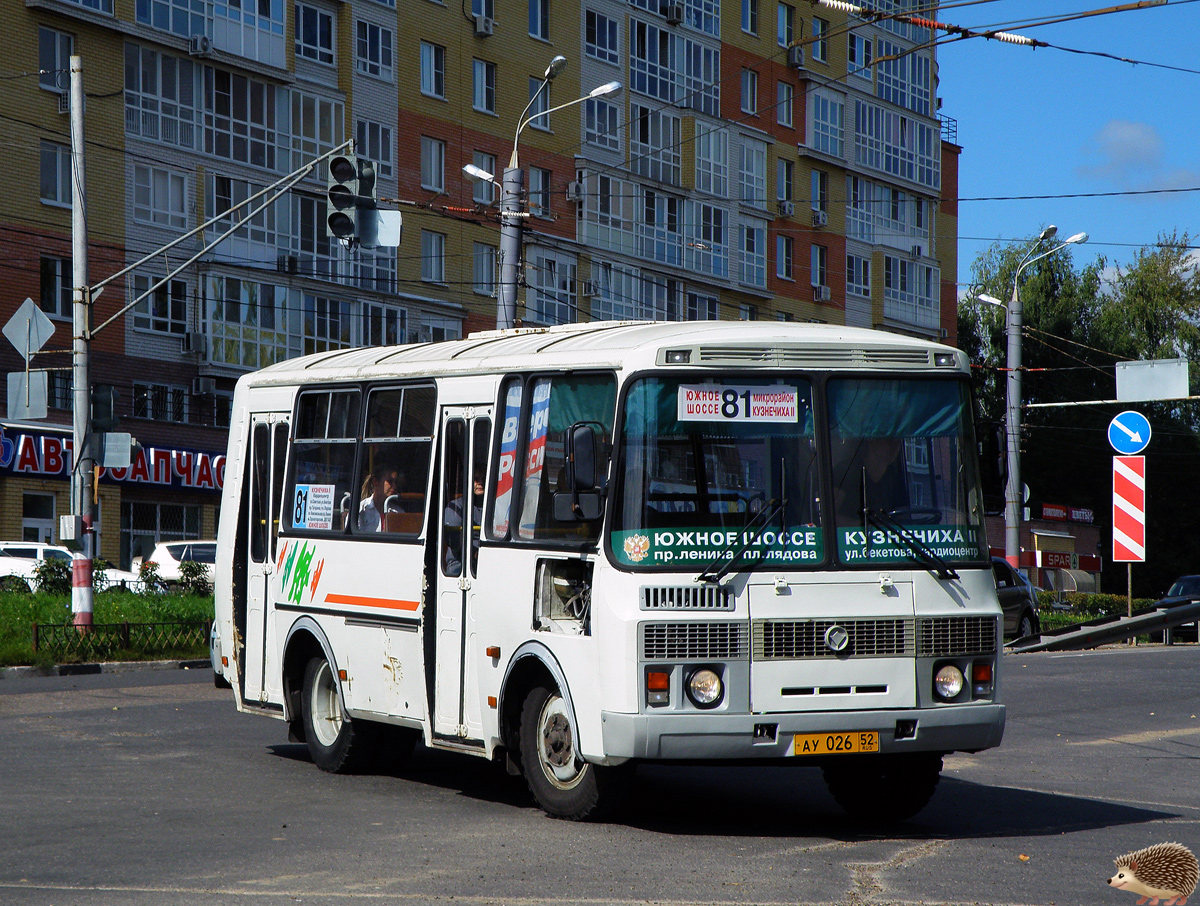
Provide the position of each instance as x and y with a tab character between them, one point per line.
562	783
883	787
336	744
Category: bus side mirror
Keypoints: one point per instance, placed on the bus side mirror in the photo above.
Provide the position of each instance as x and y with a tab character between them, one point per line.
577	498
993	466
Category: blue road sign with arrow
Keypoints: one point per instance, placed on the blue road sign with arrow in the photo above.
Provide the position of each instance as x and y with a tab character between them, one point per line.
1129	433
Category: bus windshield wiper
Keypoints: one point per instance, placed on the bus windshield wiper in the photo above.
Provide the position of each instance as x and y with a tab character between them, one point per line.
774	505
921	551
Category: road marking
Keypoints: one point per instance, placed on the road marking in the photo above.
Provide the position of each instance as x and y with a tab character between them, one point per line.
1139	738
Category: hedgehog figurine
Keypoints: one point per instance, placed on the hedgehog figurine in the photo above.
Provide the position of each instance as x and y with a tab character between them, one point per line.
1165	871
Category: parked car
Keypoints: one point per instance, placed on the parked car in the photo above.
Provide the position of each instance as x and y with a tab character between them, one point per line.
1018	600
1184	589
169	554
29	552
17	574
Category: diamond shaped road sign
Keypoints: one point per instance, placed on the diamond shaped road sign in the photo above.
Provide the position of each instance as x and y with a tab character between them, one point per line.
28	329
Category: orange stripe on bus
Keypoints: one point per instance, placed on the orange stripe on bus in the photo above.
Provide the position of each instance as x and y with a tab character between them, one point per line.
360	601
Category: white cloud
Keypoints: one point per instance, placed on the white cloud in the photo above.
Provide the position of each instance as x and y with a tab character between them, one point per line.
1130	156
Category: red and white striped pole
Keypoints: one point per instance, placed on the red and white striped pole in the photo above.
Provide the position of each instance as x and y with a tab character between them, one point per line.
1129	509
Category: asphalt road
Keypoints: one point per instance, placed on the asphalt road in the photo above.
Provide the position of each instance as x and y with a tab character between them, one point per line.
148	788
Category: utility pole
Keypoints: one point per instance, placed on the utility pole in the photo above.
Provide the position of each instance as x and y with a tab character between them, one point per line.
512	225
82	476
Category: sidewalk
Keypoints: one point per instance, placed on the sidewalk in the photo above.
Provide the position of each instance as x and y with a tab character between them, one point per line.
9	673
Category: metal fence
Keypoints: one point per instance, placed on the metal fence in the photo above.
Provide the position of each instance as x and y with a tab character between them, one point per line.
104	640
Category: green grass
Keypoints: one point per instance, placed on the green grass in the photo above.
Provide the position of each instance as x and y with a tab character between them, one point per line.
19	611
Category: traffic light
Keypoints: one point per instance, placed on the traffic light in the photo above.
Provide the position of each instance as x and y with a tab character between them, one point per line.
342	198
350	201
104	407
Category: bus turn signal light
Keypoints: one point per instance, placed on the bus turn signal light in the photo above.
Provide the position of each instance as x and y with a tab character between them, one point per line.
658	688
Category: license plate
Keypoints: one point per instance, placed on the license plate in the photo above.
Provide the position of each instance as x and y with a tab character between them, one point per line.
835	743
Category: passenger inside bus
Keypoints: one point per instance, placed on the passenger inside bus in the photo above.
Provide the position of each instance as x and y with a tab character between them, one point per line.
381	494
452	521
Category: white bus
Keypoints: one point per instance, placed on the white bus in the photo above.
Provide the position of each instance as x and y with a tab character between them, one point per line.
581	548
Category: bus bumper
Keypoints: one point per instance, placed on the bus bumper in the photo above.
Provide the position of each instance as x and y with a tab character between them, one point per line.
687	737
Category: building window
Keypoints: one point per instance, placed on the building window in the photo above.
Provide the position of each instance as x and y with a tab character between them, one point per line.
433	70
483	8
712	161
433	256
55	286
785	25
706	242
784	170
258	237
858	276
819	261
600	38
552	296
314	34
702	307
161	402
539	103
860	208
249	322
701	78
483	87
600	124
383	325
325	324
539	191
820	190
374	50
829	116
484	191
165	310
652	61
754	172
161	95
784	94
180	17
37	517
433	164
859	56
316	125
750	17
783	257
820	41
747	311
485	263
749	91
655	137
375	143
56	174
539	19
54	58
239	118
754	254
661	229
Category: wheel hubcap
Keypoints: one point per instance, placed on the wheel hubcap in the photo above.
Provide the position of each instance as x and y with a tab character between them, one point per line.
326	708
557	750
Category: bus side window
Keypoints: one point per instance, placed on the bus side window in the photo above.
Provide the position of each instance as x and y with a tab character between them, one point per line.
397	446
322	487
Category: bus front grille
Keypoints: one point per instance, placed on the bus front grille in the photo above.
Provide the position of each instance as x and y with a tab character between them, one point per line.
943	636
694	597
693	641
793	639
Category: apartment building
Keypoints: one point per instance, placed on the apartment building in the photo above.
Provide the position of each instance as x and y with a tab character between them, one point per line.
763	160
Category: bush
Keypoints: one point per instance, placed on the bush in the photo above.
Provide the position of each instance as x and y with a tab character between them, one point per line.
193	578
53	576
153	582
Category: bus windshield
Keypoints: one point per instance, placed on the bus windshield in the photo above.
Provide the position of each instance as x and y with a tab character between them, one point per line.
710	466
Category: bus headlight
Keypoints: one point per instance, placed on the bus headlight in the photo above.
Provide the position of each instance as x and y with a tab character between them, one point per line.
704	688
948	682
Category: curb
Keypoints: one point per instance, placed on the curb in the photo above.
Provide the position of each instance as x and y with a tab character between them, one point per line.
9	673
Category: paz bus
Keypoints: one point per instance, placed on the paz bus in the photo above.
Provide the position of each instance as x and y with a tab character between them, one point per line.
576	549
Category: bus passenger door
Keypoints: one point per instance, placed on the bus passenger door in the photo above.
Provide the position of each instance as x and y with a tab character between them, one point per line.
465	435
268	449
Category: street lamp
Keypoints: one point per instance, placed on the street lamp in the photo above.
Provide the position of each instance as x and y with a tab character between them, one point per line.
1012	489
512	188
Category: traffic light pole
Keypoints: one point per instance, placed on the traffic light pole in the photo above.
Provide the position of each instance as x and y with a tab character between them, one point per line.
512	224
82	476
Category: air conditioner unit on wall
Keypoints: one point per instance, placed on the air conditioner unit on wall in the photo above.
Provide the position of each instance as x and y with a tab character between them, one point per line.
587	288
484	26
200	46
204	386
787	208
576	190
673	13
796	57
821	294
820	218
194	342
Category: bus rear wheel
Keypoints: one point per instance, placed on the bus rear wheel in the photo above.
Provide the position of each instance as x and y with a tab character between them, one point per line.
884	787
336	744
562	783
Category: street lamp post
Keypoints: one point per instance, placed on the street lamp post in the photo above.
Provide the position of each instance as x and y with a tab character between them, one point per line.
1012	489
512	190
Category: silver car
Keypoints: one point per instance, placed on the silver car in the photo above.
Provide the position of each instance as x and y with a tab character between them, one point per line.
1018	600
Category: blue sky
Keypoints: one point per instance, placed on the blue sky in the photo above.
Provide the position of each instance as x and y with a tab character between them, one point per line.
1047	122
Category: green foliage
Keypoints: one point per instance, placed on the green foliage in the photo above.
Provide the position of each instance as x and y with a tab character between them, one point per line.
151	580
193	577
53	576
